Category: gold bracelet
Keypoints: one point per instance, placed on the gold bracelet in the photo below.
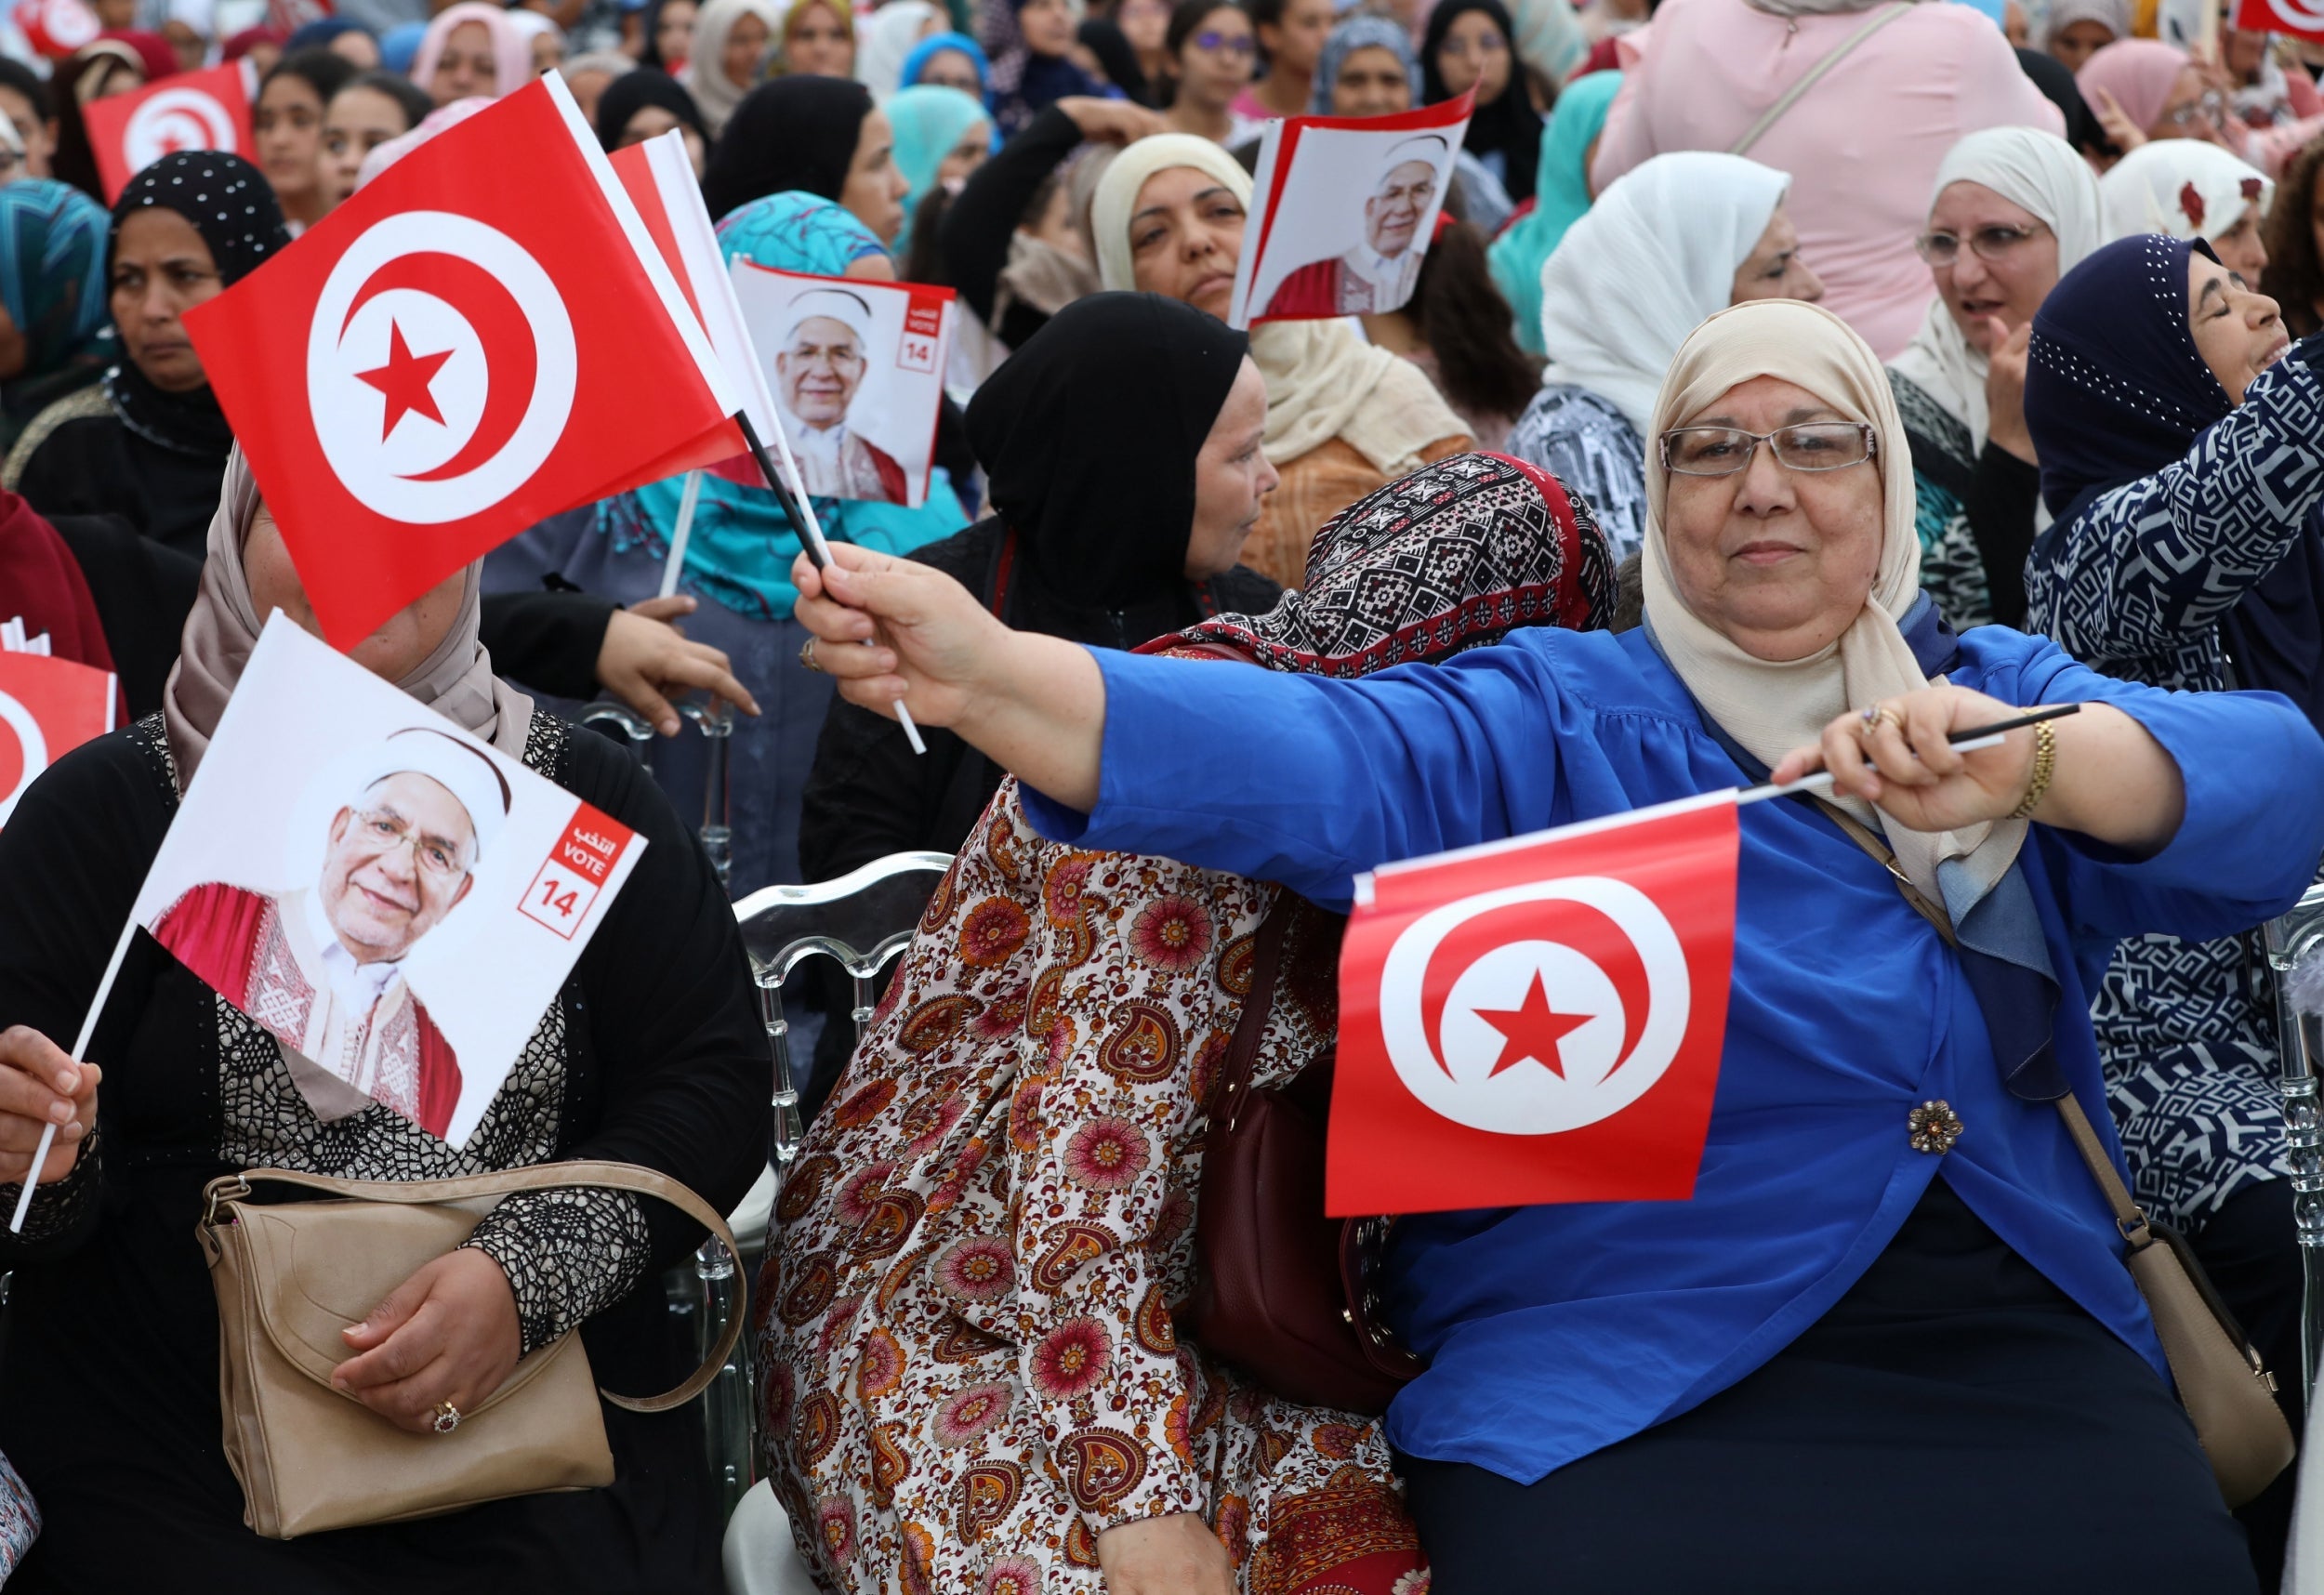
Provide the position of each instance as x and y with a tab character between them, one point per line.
2045	765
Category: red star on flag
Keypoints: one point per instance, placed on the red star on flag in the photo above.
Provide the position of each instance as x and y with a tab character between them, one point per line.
405	381
1531	1031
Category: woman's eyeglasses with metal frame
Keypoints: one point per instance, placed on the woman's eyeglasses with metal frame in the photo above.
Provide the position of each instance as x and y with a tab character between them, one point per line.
1993	245
1811	445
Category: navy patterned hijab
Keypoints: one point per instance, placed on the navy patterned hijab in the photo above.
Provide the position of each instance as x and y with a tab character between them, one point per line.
2115	387
2115	390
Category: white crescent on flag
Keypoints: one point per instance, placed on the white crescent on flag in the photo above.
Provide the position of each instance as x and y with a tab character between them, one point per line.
441	366
1524	999
175	119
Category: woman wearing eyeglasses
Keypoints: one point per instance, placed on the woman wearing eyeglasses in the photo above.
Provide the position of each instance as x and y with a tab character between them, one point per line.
1209	53
2177	425
1874	1350
2013	208
2142	88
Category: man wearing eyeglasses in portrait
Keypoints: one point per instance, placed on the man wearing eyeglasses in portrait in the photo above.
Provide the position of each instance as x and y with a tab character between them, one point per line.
322	968
1379	274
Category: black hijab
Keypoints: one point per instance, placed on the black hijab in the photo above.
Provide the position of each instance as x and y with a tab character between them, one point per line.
632	92
232	206
1106	525
1507	127
1115	54
2056	84
793	135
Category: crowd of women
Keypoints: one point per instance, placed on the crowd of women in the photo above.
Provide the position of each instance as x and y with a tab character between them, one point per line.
1787	382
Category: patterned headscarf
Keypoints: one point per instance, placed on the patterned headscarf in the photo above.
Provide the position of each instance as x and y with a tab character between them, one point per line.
1455	556
52	274
797	232
1365	33
230	204
1021	84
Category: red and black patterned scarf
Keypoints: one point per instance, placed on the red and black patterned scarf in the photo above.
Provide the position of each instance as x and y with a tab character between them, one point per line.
1453	556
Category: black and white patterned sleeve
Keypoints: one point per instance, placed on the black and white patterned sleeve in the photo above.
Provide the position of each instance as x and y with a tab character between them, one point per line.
569	1254
2156	562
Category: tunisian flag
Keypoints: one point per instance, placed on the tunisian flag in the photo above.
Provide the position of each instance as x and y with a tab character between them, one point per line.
2301	19
192	111
47	709
482	338
1538	1020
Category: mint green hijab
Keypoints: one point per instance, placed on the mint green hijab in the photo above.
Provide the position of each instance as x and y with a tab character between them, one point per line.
1561	194
929	120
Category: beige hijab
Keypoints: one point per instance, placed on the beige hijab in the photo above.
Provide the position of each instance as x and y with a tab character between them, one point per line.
1772	708
456	680
1322	381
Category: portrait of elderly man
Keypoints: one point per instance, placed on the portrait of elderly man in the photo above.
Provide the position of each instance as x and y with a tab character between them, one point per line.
1379	273
321	967
818	371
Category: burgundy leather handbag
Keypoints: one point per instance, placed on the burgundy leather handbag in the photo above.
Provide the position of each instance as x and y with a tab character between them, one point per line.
1282	1292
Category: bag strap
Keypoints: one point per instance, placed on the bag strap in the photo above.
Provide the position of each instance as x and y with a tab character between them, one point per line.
1814	75
1242	1053
2127	1216
583	1174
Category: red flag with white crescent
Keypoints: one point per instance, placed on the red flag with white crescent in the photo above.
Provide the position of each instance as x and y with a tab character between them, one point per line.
47	709
483	337
1538	1020
2301	19
57	28
192	111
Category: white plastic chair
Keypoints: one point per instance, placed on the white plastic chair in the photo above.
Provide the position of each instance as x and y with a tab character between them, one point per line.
759	1556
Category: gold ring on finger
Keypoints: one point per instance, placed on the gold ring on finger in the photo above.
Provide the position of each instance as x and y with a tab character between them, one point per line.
807	656
447	1417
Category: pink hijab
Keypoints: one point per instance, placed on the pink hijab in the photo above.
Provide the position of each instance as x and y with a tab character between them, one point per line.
2139	73
513	52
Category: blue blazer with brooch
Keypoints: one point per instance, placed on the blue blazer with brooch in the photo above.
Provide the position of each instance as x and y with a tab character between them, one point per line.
1555	1331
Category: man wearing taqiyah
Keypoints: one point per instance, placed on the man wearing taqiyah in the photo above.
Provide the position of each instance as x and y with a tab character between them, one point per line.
322	968
818	371
1379	274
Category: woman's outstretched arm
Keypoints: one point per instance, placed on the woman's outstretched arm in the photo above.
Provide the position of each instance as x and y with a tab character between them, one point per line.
1033	705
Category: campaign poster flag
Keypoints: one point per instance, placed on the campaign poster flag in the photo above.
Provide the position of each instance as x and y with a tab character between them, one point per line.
1343	209
393	900
857	370
483	336
47	709
1538	1020
207	110
2301	19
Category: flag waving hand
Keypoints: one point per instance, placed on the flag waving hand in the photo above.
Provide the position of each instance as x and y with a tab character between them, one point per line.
483	337
1538	1020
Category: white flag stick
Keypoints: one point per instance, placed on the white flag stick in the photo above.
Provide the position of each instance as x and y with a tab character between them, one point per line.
80	1049
684	529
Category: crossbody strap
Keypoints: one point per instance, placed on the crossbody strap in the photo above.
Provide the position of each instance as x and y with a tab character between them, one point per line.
1242	1052
2127	1216
581	1175
1814	75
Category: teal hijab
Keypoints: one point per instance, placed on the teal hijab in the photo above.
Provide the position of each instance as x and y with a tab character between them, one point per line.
1561	194
741	548
929	120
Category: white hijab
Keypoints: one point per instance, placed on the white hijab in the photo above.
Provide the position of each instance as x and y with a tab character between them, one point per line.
2039	172
885	39
1323	382
705	77
1642	267
1772	708
2184	187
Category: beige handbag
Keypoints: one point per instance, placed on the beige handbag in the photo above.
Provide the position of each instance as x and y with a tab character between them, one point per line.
290	1276
2223	1382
